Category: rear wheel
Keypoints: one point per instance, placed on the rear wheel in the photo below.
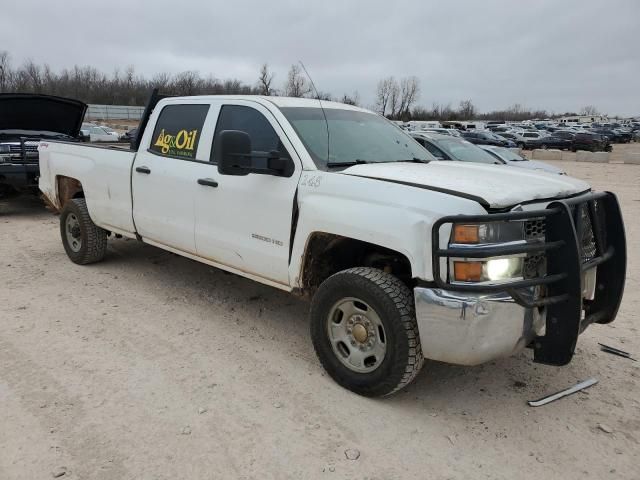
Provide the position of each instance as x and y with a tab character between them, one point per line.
364	331
544	146
82	239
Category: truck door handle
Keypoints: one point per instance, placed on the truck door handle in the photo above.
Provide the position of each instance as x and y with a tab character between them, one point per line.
208	182
146	170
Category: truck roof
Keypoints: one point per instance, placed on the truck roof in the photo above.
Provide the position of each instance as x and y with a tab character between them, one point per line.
279	102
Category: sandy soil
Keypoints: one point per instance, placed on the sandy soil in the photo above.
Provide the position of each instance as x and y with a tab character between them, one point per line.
151	366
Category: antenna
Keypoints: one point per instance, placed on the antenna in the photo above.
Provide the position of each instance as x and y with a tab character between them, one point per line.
320	102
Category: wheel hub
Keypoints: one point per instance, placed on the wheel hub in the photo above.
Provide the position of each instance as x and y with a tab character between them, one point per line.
353	328
73	232
360	333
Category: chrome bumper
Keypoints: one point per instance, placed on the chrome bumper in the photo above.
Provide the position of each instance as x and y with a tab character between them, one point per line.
469	328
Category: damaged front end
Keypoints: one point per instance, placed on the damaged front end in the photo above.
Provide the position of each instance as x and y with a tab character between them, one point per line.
497	295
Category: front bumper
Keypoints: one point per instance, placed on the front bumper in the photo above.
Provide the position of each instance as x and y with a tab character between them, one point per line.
19	175
585	256
470	329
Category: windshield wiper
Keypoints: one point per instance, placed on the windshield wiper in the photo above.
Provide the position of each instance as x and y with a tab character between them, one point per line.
349	163
415	160
363	162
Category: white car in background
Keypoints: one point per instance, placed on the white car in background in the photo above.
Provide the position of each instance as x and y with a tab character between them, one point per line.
102	134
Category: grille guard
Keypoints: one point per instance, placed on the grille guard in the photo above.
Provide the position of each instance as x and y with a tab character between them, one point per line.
564	250
24	153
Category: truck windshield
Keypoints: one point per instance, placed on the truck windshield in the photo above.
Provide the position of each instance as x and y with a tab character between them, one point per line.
354	137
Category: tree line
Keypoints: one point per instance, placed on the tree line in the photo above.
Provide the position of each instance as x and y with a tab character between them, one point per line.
396	99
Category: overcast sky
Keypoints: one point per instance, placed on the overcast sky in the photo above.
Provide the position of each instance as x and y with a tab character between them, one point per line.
556	55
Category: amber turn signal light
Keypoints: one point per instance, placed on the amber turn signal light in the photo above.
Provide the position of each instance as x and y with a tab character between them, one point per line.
467	271
466	234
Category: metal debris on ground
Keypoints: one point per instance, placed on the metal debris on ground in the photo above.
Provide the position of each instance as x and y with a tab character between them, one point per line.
605	428
563	393
615	351
59	472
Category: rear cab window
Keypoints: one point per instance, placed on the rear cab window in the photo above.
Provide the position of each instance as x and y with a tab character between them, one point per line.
178	129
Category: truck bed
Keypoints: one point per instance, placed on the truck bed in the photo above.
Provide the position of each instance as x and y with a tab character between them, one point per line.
105	175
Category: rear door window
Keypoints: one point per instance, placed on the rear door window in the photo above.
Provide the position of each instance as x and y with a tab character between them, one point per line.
178	130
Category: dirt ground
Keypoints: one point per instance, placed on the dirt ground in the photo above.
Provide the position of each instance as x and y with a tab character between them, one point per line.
152	366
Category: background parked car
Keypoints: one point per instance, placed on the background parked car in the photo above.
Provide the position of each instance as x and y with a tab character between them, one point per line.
487	138
446	147
566	134
509	157
452	132
103	134
614	135
525	137
550	141
84	130
510	136
593	142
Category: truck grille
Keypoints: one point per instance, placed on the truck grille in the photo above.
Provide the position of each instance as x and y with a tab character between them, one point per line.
29	148
534	229
588	250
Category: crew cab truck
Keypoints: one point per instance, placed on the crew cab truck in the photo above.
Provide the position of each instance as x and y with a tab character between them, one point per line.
403	257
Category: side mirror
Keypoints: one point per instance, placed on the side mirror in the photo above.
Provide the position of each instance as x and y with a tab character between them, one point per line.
234	156
232	152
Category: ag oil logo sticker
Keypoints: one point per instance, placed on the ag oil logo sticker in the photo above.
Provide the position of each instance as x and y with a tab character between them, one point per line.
177	130
182	144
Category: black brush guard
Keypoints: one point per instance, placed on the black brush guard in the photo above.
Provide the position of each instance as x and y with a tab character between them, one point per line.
27	154
581	233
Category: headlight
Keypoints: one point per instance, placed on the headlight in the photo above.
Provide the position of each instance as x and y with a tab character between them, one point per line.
494	232
5	148
490	269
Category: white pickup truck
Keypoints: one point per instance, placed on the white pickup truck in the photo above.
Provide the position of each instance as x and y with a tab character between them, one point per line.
402	256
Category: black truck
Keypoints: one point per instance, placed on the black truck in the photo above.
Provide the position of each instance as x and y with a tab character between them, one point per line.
25	119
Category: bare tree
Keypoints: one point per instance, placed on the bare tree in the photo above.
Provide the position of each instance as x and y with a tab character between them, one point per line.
323	96
297	85
265	80
590	110
394	100
467	110
353	99
5	70
409	92
383	94
187	83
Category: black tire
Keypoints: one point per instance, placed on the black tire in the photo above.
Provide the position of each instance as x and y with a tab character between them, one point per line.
92	239
393	302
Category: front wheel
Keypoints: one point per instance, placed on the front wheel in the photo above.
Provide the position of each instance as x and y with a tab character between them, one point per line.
364	331
82	239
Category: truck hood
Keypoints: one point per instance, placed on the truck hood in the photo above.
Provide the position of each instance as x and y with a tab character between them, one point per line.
493	186
41	113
